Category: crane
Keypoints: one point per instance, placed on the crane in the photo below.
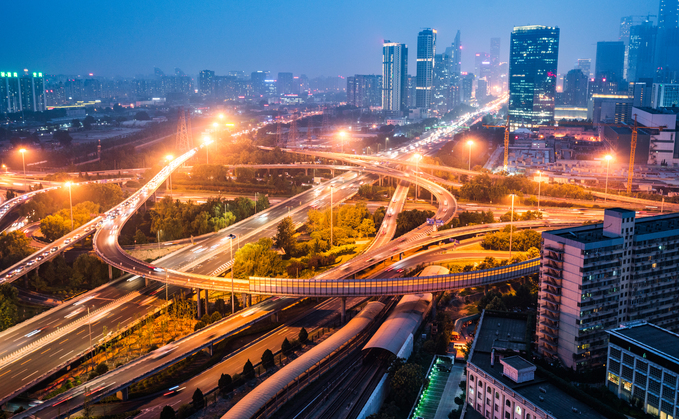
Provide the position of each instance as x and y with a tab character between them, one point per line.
633	147
506	127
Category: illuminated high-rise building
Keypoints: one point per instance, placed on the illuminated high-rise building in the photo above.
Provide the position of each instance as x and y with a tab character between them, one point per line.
610	60
426	52
206	83
667	43
394	76
284	83
585	65
533	61
641	55
257	79
10	97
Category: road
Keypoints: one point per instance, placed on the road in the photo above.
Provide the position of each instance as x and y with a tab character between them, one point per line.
388	227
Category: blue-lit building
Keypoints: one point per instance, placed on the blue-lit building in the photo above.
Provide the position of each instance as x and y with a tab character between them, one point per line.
533	62
426	52
22	92
394	77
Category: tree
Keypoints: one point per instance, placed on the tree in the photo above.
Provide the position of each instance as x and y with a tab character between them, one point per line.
248	370
10	194
303	335
286	347
102	368
409	220
142	116
167	413
258	259
63	137
199	326
406	384
140	237
14	246
9	298
267	359
366	228
88	270
225	383
496	304
215	317
198	399
285	236
88	121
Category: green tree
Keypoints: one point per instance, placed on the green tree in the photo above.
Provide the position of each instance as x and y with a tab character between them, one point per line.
199	325
258	259
366	228
378	216
286	347
88	270
303	335
496	304
10	194
142	116
53	227
140	237
215	317
225	383
167	413
409	220
198	399
9	298
63	137
102	368
405	385
285	236
248	370
267	359
14	246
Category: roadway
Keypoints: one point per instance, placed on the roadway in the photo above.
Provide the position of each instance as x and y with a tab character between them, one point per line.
388	227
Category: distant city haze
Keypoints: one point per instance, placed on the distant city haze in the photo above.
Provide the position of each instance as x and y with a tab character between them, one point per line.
315	38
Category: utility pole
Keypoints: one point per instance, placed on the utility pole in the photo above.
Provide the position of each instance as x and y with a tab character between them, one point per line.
511	229
330	216
506	150
89	323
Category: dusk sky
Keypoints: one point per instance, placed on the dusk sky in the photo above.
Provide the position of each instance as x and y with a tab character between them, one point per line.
311	37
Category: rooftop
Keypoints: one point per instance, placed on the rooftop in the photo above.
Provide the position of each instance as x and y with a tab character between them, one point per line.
554	400
655	338
660	111
517	362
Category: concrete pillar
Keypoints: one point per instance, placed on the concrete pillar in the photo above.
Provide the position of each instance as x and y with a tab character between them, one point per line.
249	300
207	304
343	310
110	272
208	350
306	172
200	309
433	306
486	288
274	317
146	281
245	300
333	172
123	394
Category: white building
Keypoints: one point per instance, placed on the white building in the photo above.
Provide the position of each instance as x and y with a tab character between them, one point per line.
663	145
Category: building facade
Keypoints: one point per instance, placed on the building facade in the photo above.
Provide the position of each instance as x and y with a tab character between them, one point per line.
575	89
22	92
643	367
206	83
426	51
594	277
533	62
394	76
364	91
641	56
284	83
665	95
610	60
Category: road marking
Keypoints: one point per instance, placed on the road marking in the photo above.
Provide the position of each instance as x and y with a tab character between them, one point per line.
63	341
64	355
26	361
35	372
48	349
16	375
56	352
80	332
5	373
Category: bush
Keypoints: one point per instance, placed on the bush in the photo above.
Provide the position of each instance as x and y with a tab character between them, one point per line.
268	359
216	316
199	326
198	399
102	368
225	383
286	347
185	411
168	413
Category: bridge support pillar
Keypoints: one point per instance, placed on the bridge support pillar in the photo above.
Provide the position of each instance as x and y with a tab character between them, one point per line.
486	288
246	300
333	172
343	310
249	300
110	272
274	317
207	303
146	281
306	172
433	306
123	394
200	308
209	350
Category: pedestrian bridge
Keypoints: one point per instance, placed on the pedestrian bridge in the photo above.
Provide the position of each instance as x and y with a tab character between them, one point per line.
390	286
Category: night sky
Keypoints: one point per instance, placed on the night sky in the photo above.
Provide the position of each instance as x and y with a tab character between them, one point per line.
316	38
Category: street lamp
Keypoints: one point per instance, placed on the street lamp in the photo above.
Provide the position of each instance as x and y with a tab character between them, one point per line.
331	215
255	202
342	134
169	158
23	160
386	140
418	157
608	164
4	166
539	185
233	263
70	201
469	143
221	116
511	229
207	142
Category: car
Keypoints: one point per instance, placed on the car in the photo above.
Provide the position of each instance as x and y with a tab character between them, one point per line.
30	263
54	249
67	241
389	269
173	390
401	270
45	254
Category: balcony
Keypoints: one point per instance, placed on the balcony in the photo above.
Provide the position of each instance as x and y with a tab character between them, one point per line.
552	283
544	307
548	333
549	315
548	350
551	293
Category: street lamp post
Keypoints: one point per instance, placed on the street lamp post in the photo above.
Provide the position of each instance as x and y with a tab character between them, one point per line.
169	159
386	140
417	176
70	201
233	265
539	185
89	323
207	142
511	229
4	166
469	143
23	160
608	164
255	202
342	134
331	216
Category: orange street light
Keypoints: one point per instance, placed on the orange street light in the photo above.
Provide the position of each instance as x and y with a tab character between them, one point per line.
23	160
342	134
470	143
207	141
608	164
70	200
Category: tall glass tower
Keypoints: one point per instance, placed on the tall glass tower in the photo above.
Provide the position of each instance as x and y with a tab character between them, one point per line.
426	51
394	76
533	62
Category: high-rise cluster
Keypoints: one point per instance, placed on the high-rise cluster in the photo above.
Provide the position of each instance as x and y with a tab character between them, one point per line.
22	91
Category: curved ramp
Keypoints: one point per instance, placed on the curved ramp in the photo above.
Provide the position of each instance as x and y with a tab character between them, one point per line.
260	395
401	323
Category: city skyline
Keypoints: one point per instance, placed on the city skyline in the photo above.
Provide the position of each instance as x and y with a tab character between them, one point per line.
317	31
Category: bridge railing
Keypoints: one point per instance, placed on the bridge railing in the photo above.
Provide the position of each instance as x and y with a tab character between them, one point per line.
391	286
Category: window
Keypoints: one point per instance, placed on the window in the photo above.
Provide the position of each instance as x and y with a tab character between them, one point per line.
507	416
613	379
471	377
497	408
497	395
508	403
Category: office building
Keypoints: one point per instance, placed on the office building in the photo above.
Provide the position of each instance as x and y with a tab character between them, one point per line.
284	83
641	92
440	99
533	62
667	47
257	79
625	27
663	148
575	89
495	51
206	80
426	50
642	51
585	65
610	60
10	98
466	87
394	76
364	91
610	109
596	276
454	53
642	367
665	95
501	381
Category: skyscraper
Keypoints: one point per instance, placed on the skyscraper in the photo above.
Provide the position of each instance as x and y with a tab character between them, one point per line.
454	52
426	50
441	84
257	79
575	89
533	65
364	91
642	51
625	26
668	15
284	83
495	51
206	83
667	47
610	60
32	92
585	65
10	101
394	76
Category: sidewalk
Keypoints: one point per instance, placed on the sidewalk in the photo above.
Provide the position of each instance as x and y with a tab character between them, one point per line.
452	390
